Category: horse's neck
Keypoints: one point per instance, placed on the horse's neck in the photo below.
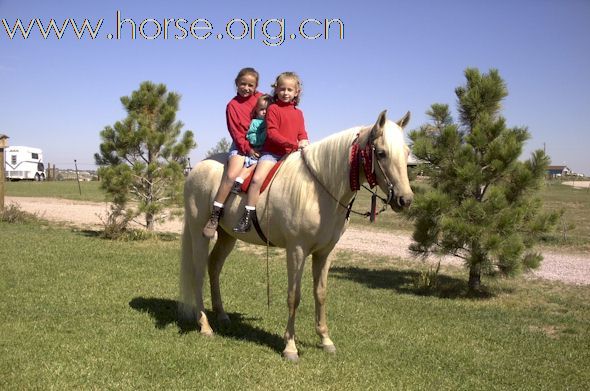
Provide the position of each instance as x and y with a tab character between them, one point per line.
329	161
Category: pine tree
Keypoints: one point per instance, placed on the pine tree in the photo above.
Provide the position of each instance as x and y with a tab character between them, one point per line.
222	145
483	206
140	158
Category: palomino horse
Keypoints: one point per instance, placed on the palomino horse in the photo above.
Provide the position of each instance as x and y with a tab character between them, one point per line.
306	206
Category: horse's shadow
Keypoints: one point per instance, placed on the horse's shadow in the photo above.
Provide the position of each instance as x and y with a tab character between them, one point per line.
165	312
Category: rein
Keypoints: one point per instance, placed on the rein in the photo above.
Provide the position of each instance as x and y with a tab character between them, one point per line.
356	155
264	237
313	174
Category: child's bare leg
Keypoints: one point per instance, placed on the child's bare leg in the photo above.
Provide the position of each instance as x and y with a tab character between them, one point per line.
233	169
234	166
262	170
246	171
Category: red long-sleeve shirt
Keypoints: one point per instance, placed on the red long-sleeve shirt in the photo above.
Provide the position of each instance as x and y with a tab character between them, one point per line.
238	114
284	128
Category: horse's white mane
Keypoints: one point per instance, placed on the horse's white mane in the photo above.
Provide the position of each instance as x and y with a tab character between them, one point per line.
329	159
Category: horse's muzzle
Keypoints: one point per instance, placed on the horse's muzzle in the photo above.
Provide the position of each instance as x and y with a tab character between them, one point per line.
399	203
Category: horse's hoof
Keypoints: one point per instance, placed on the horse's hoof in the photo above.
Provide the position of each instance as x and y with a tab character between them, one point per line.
328	348
291	356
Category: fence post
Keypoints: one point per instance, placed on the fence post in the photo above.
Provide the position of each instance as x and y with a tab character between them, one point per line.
77	178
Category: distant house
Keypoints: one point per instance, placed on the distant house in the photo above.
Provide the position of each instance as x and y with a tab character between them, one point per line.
557	171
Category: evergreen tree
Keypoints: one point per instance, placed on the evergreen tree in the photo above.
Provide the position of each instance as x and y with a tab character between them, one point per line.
140	158
222	145
483	206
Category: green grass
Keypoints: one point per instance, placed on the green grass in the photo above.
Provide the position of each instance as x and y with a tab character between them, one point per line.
79	312
91	191
573	230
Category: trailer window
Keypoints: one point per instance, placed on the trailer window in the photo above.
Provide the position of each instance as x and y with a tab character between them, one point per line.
13	160
35	156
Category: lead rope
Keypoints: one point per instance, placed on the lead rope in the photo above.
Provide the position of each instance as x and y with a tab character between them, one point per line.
268	228
267	268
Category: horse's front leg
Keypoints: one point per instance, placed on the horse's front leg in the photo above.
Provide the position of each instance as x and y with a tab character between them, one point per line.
321	266
295	264
223	247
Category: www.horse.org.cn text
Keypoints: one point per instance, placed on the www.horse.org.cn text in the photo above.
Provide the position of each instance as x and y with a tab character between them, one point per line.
270	32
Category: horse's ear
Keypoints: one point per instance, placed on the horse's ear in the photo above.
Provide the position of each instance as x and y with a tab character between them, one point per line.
404	120
377	130
381	119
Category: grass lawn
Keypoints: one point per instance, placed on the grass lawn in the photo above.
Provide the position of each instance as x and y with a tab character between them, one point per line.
80	312
573	230
91	191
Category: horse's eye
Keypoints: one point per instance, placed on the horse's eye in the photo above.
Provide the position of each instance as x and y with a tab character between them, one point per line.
381	154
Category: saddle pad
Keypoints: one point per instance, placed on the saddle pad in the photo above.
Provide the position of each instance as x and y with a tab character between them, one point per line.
267	180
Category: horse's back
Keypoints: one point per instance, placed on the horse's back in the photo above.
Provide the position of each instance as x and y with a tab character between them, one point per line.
203	180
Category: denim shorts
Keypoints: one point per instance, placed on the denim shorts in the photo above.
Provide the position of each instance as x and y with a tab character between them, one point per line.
233	150
249	161
269	157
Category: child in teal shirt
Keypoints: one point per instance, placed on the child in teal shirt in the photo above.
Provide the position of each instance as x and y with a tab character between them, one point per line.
256	136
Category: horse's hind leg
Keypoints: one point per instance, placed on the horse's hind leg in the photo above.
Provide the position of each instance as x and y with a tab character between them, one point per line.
192	273
224	245
320	267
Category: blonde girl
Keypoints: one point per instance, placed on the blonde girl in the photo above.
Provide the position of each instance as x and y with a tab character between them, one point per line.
285	134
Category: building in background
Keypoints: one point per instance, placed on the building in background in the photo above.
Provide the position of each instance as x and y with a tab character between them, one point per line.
558	171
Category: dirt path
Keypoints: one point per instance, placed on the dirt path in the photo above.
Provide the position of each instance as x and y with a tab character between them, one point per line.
578	184
569	268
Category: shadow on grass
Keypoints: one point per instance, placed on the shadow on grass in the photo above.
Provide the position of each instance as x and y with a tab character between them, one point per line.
131	235
89	233
404	281
165	312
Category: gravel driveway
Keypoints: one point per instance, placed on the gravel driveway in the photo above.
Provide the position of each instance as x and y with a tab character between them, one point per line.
571	268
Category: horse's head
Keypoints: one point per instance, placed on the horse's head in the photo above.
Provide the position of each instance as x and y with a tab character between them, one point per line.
391	159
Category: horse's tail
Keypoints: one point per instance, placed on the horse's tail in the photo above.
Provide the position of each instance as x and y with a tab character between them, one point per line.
187	304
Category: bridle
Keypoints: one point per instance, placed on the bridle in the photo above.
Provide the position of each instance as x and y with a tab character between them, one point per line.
357	155
366	156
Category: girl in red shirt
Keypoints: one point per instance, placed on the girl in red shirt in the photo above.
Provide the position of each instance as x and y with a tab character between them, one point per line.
238	115
286	133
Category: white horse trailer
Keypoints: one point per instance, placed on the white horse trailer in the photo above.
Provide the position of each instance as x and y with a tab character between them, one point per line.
24	163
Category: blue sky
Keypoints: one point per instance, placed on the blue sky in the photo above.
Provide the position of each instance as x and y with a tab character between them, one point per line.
58	94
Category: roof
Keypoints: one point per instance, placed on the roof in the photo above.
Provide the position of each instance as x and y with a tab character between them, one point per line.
556	167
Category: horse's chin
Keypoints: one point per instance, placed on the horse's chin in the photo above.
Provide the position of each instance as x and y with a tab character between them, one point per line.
395	206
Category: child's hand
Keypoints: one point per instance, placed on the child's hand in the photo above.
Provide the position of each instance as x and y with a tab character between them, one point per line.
303	143
254	154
